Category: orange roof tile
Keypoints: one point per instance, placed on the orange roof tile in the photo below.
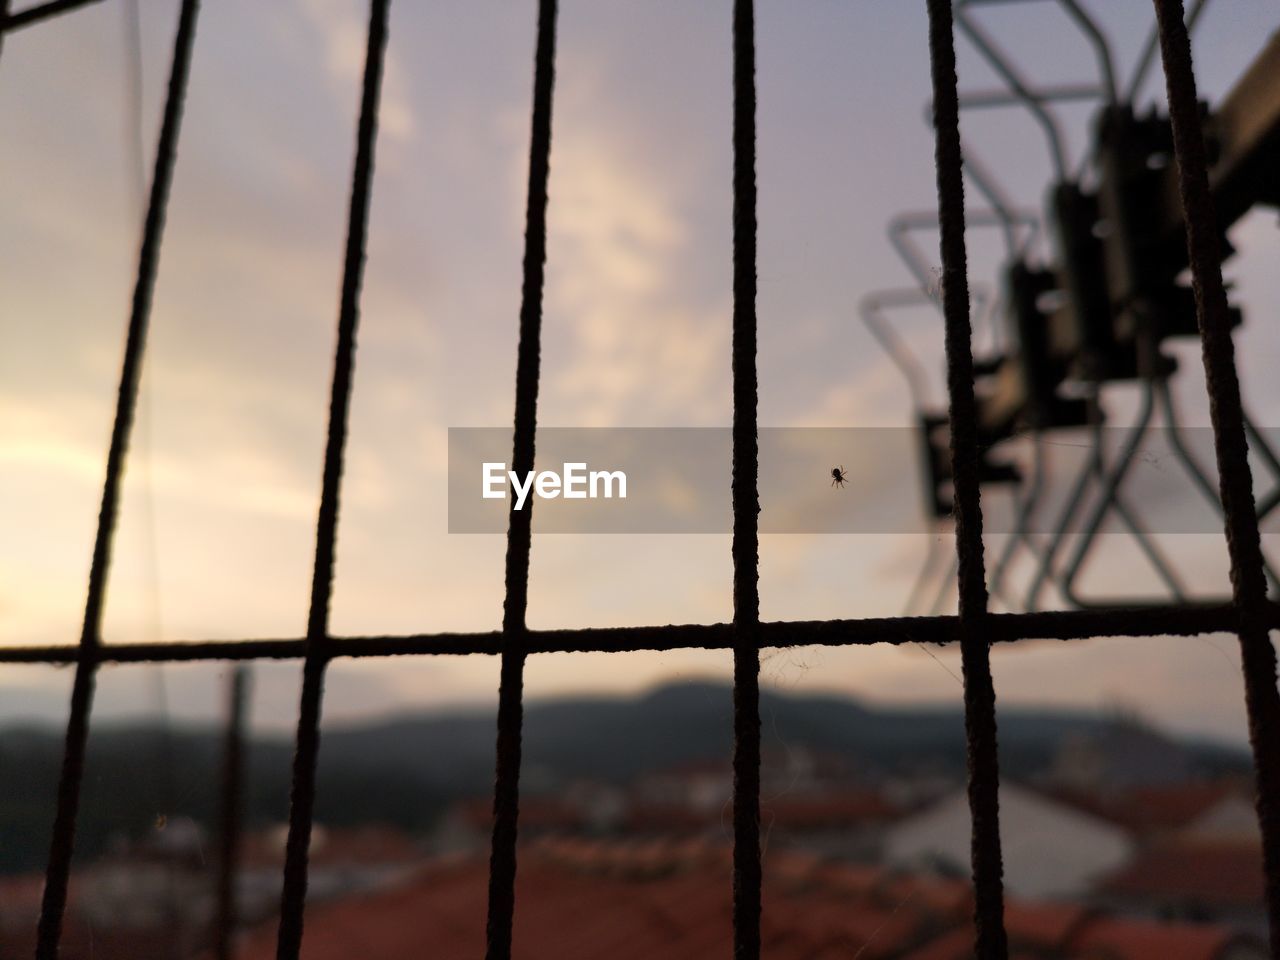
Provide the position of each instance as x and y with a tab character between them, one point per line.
639	900
835	810
1148	810
1224	873
536	813
1043	925
955	945
1141	940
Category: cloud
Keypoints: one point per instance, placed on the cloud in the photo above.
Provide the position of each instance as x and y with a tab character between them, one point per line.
343	25
641	348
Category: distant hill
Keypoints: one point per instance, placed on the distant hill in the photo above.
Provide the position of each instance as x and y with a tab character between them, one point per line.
407	769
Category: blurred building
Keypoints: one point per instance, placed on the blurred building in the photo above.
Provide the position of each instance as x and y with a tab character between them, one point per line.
1191	879
592	899
341	861
1124	755
153	898
810	800
1051	849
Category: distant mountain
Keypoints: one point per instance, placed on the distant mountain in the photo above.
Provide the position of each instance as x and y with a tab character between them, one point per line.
407	769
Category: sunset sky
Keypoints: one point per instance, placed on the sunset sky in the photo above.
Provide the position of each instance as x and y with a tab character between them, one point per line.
218	517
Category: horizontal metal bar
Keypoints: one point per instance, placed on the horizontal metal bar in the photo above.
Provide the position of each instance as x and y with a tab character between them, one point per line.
43	11
981	99
1182	620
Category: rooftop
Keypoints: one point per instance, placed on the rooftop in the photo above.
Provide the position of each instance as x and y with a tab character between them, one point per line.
670	899
1223	874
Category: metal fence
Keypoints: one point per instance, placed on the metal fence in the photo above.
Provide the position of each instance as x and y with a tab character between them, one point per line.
1249	614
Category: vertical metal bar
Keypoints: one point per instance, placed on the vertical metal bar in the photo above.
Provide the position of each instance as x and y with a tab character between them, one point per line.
747	874
302	792
506	789
230	818
979	691
1148	55
62	845
1235	480
4	21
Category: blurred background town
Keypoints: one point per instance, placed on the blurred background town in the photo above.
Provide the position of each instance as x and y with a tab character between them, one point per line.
1120	840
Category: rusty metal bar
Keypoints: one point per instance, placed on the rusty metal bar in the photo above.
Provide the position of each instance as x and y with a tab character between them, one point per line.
1235	480
513	641
979	690
62	845
747	875
1175	620
1147	57
1247	125
303	788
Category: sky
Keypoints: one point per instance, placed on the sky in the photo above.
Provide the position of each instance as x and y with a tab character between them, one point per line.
218	515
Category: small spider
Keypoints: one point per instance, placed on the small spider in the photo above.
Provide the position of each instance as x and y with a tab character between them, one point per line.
838	477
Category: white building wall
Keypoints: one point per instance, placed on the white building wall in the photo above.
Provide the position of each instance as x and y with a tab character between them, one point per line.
1231	819
1050	850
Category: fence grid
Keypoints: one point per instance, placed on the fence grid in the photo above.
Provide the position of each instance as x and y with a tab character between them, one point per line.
1251	615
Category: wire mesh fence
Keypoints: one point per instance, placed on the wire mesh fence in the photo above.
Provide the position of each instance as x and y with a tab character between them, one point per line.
1250	614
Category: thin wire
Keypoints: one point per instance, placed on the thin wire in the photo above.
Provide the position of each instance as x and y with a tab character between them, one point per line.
506	789
134	146
979	690
303	789
135	149
54	900
1235	479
